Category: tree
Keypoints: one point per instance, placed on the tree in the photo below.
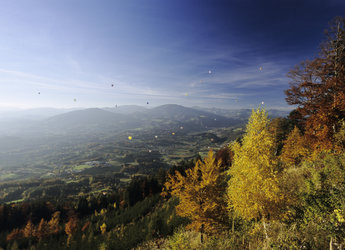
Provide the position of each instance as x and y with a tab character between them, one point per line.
295	148
339	137
324	199
42	229
71	228
53	224
15	234
29	230
201	195
253	189
103	228
318	88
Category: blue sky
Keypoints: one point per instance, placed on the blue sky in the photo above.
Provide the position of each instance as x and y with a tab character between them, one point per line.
228	54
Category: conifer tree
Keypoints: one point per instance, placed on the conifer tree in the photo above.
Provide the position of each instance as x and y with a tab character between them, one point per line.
15	234
53	224
201	194
42	229
70	228
29	230
253	189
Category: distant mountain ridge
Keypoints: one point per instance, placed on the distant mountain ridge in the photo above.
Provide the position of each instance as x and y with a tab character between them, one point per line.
126	109
103	120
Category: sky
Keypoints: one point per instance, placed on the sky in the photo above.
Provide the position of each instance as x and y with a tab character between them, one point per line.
226	54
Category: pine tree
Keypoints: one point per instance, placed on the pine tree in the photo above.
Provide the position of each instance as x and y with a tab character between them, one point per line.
29	230
15	234
253	189
42	229
70	228
53	224
201	195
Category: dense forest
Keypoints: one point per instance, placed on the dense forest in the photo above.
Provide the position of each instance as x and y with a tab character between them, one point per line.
278	186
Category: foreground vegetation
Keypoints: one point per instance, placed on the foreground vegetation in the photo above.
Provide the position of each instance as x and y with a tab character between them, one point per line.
279	186
285	185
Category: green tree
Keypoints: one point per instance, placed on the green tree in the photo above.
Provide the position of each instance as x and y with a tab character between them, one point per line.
323	200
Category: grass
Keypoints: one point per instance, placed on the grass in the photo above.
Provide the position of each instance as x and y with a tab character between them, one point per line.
125	180
8	176
81	167
237	129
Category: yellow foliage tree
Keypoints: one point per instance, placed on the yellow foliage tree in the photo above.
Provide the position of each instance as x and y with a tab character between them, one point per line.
201	195
53	224
253	190
295	148
103	211
103	228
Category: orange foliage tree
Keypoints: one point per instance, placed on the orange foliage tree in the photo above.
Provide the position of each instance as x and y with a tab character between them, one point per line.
295	148
29	230
42	229
71	228
318	89
53	224
201	194
15	234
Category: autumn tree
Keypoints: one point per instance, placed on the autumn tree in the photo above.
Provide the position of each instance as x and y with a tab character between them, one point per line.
253	188
29	230
15	234
339	137
295	148
42	229
201	195
103	228
318	88
53	224
71	228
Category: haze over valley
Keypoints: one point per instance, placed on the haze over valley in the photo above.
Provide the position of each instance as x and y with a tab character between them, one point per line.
40	141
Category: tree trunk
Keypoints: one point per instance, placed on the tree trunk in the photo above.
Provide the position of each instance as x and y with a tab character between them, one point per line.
202	234
265	229
266	234
233	224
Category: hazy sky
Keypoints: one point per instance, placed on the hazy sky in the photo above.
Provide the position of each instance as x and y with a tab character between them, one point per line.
212	53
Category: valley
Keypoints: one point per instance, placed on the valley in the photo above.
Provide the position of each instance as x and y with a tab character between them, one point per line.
57	163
